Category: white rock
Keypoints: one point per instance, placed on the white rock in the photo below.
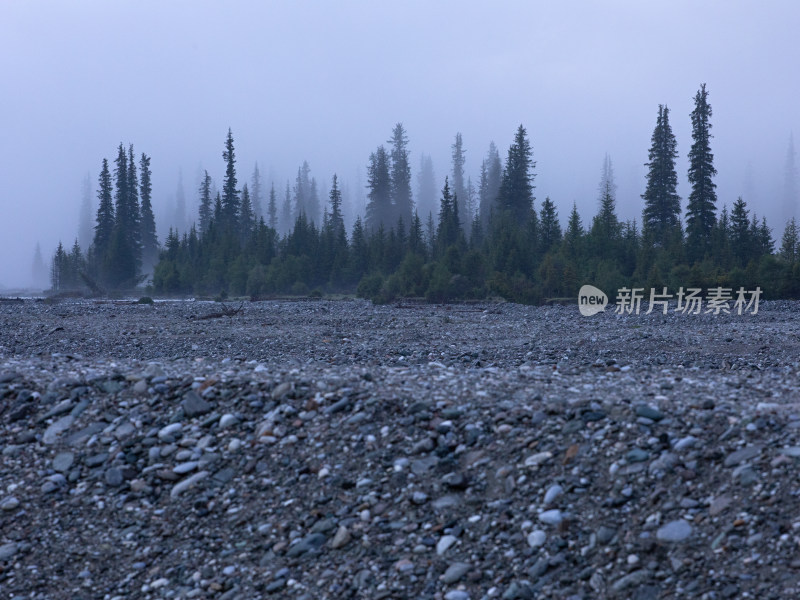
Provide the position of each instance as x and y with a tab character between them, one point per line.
537	538
444	543
169	430
551	517
553	492
184	485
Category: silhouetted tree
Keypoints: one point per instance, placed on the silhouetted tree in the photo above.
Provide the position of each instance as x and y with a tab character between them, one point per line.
400	175
662	205
700	212
379	184
459	187
516	188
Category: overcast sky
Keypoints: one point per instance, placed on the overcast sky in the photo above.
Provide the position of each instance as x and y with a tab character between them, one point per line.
325	81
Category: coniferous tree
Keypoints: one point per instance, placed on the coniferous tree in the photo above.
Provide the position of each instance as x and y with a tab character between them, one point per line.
661	216
459	186
104	228
741	241
766	245
230	193
426	186
286	210
489	187
272	209
416	242
721	240
57	268
246	217
124	255
400	175
313	202
700	212
256	194
573	237
516	188
790	242
150	248
205	212
549	227
606	231
449	228
379	184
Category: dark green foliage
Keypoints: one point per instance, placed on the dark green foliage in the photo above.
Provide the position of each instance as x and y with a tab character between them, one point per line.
400	176
206	210
662	205
272	209
379	197
549	227
522	256
459	187
701	210
66	268
489	185
230	194
790	243
516	188
149	240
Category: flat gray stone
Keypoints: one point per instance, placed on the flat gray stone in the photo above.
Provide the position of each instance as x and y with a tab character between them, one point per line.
674	531
740	456
57	428
63	461
455	572
187	483
194	406
8	550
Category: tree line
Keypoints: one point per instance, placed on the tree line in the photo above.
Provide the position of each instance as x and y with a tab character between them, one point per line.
482	242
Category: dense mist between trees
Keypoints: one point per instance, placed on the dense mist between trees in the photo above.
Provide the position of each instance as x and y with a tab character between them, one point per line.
485	239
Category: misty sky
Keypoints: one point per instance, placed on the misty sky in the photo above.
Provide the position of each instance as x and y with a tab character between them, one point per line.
326	81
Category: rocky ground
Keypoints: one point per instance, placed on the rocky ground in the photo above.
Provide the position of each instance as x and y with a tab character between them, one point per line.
310	450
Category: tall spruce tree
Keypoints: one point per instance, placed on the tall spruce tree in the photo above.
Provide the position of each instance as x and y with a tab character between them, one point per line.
230	193
449	229
790	242
516	188
205	212
459	185
402	202
286	210
701	209
489	187
740	238
662	205
150	247
379	184
256	194
124	256
104	228
549	227
272	209
247	218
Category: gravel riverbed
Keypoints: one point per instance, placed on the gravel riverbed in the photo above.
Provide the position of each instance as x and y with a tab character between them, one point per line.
322	450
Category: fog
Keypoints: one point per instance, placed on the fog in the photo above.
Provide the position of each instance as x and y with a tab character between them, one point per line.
325	82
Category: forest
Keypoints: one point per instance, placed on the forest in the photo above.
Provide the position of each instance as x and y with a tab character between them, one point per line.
496	241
